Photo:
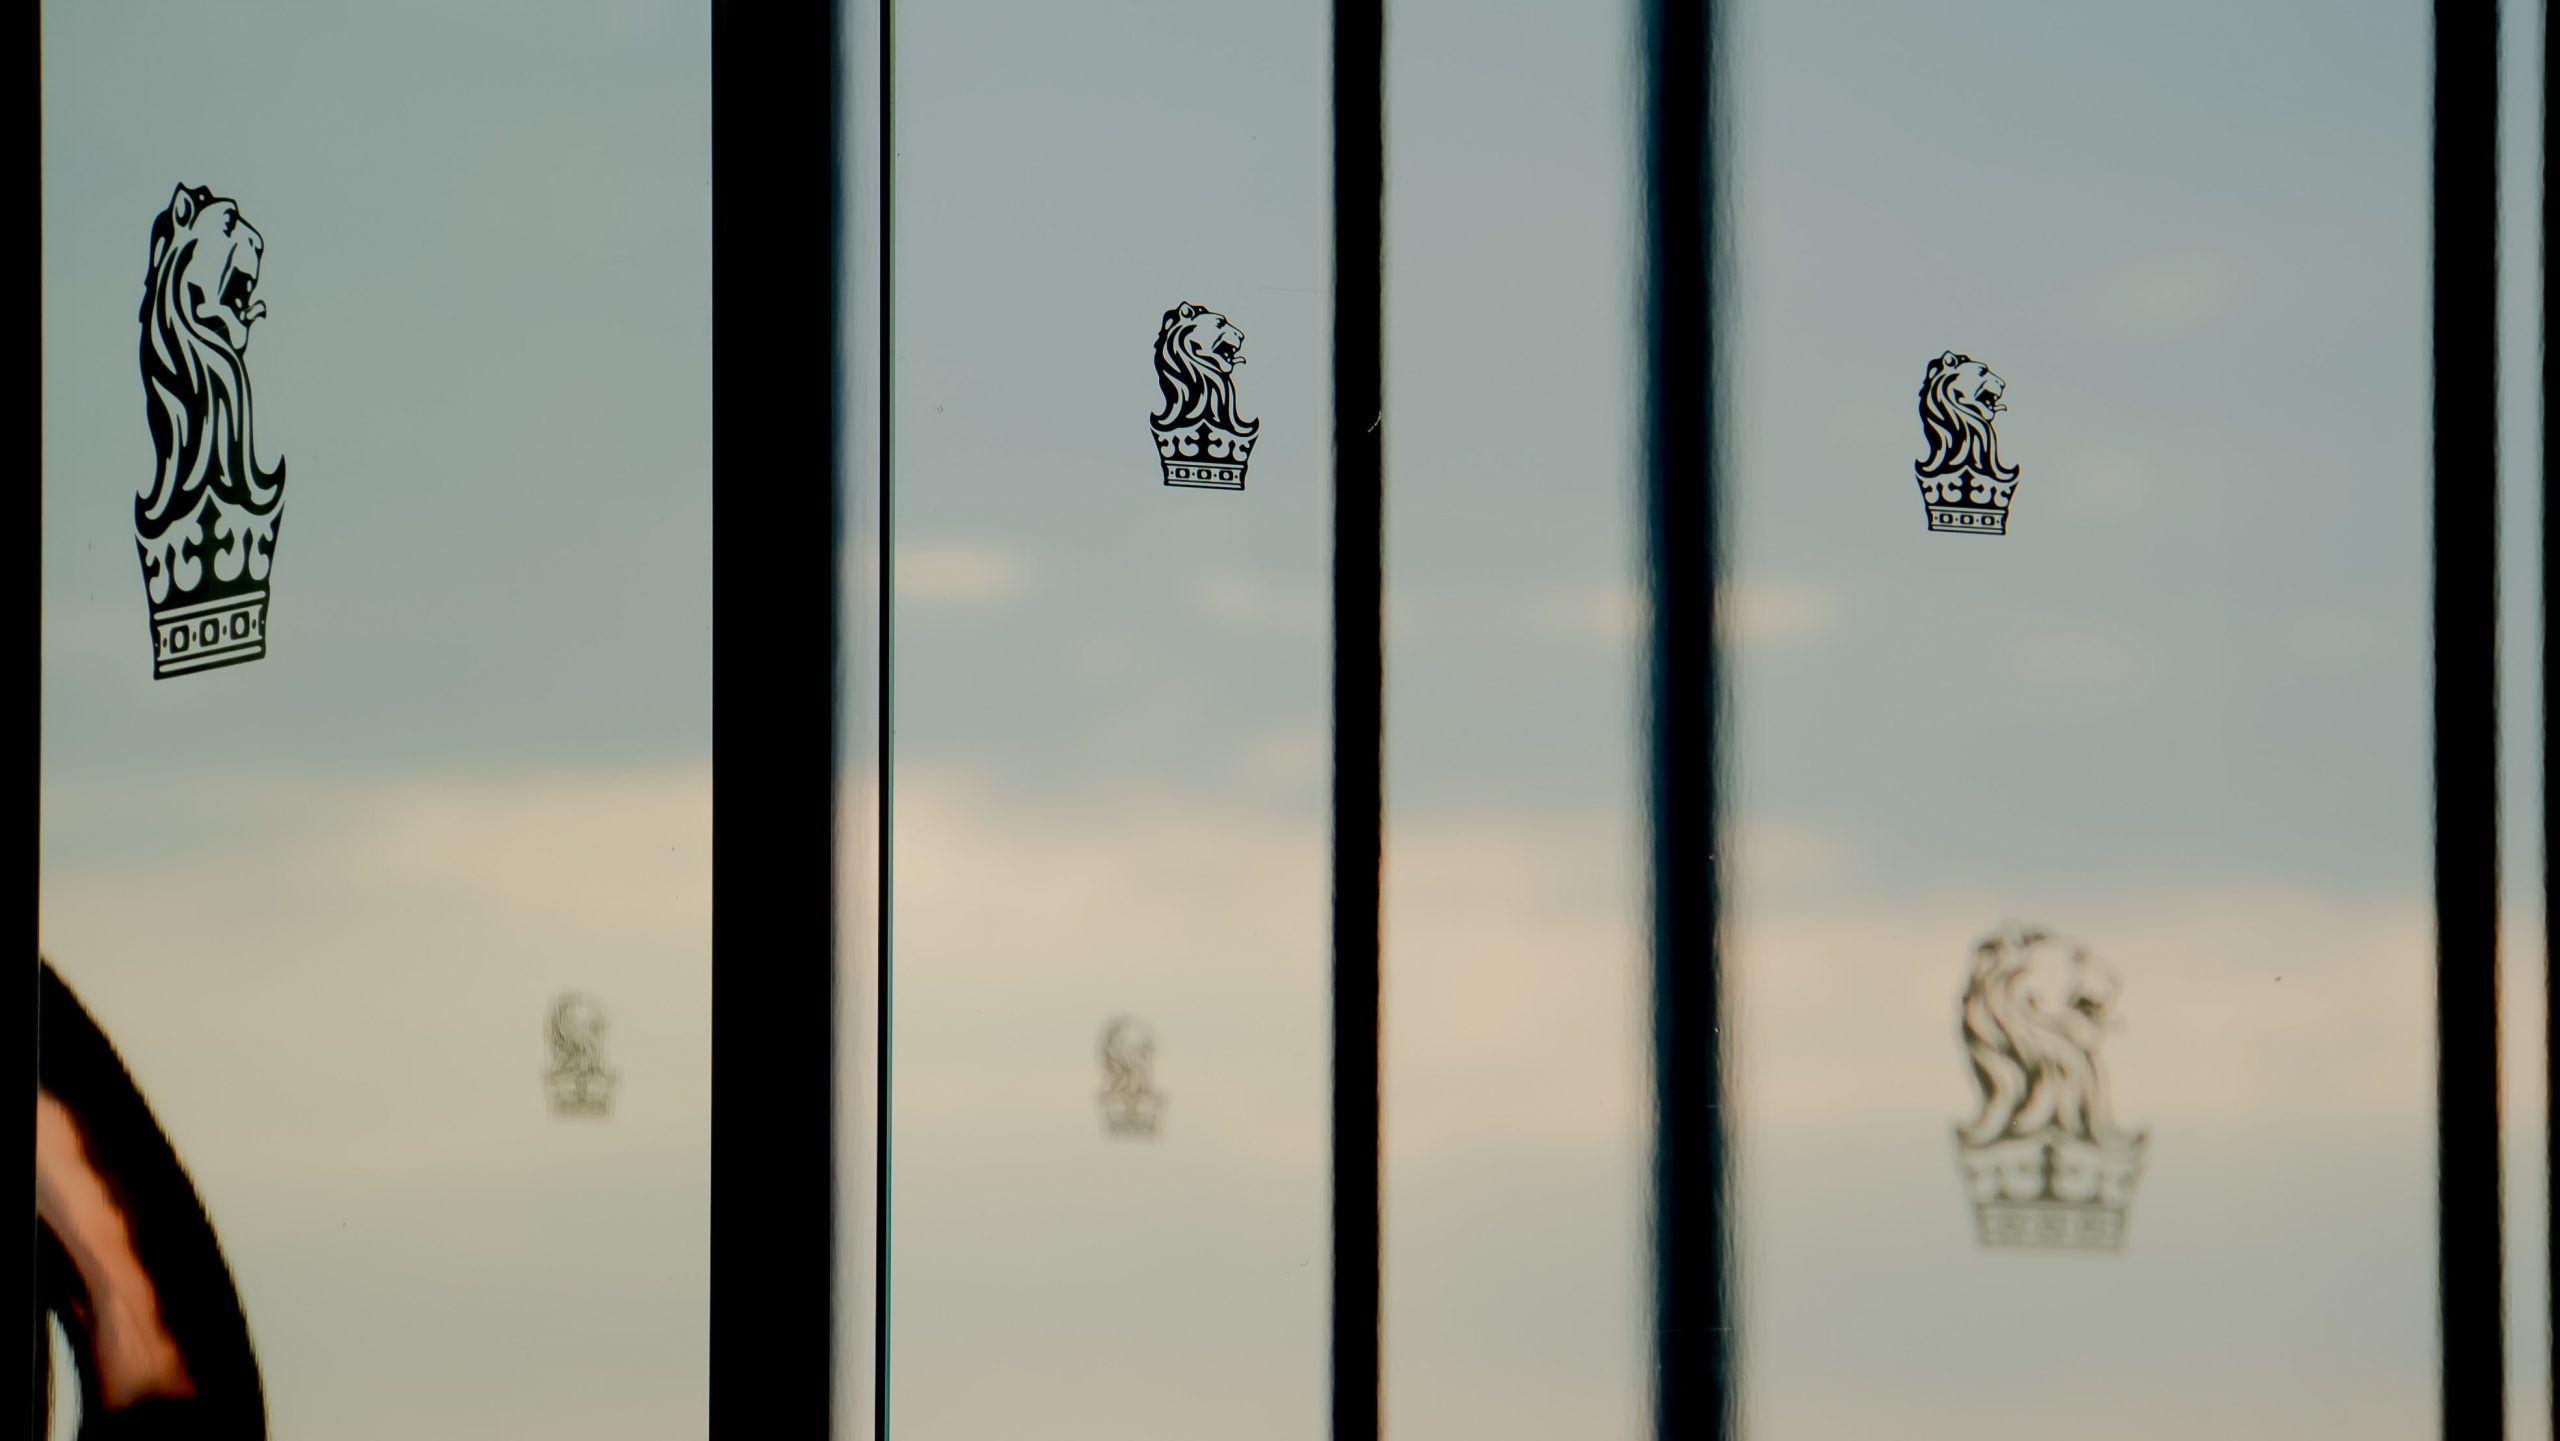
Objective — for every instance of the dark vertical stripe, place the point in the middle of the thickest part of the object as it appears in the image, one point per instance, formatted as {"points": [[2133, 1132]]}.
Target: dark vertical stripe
{"points": [[886, 598], [29, 243], [774, 344], [1359, 425], [2550, 824], [1692, 1324], [2466, 713]]}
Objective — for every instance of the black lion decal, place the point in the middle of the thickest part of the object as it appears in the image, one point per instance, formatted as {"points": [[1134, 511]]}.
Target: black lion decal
{"points": [[208, 500], [1197, 352]]}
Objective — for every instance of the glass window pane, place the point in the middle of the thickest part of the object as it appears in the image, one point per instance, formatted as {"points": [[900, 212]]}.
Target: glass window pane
{"points": [[2168, 698], [325, 899], [1516, 1123], [1109, 353]]}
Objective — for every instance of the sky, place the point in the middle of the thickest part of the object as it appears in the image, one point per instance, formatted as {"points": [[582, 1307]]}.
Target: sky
{"points": [[323, 902], [2179, 712]]}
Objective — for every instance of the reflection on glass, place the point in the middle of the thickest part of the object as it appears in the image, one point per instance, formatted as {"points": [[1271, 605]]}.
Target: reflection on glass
{"points": [[1131, 1104], [1110, 478], [325, 823], [1515, 1072], [2044, 1159], [579, 1081], [2176, 700]]}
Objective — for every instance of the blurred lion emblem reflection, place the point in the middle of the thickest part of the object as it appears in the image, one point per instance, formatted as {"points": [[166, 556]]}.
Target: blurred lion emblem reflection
{"points": [[2044, 1159], [1131, 1105], [578, 1081]]}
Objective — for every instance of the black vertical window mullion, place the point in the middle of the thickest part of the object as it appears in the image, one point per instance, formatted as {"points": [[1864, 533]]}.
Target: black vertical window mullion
{"points": [[1359, 420], [2465, 258], [775, 547], [29, 242], [885, 733], [2550, 830], [1692, 1294]]}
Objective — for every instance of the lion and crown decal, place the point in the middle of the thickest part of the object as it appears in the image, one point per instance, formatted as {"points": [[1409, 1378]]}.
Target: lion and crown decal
{"points": [[1963, 483], [206, 525], [2044, 1160], [1202, 440]]}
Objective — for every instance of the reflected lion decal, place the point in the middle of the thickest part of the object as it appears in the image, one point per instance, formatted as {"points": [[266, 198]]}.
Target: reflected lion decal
{"points": [[2045, 1161], [2035, 1013], [579, 1082], [1131, 1104]]}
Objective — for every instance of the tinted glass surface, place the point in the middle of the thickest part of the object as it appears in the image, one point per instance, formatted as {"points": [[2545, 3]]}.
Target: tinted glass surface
{"points": [[1514, 934], [2177, 713], [1109, 710], [323, 903]]}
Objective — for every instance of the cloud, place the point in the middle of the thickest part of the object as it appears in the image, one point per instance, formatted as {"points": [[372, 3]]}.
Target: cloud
{"points": [[2165, 295], [1512, 1025], [1505, 943], [332, 989], [2273, 1004], [403, 928], [1289, 757], [1608, 615], [1253, 602], [1758, 613], [962, 574], [2112, 663], [1775, 613], [1515, 970], [1775, 854], [2100, 483], [1516, 1067], [1211, 925]]}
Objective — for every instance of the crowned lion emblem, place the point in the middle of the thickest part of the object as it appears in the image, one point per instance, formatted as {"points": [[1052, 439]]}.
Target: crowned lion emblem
{"points": [[206, 524], [1201, 438], [1965, 484]]}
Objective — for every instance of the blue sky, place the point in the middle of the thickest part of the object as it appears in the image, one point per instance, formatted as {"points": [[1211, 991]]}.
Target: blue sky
{"points": [[2180, 710]]}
